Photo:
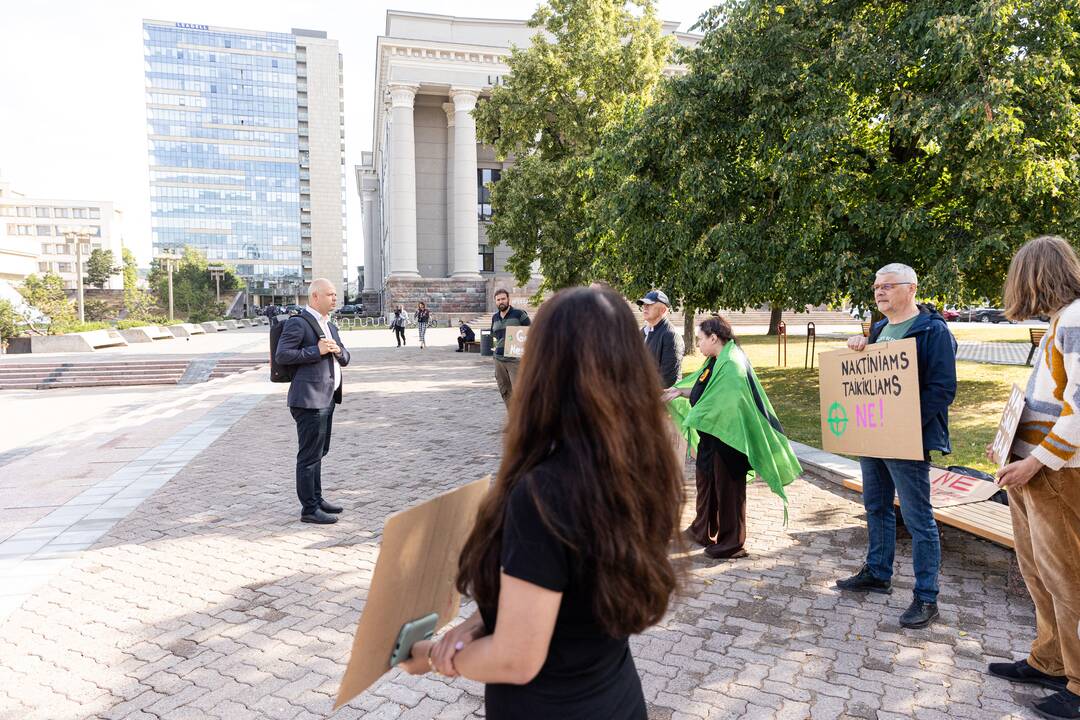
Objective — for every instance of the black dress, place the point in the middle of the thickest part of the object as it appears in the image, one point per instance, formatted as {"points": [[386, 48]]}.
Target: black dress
{"points": [[587, 674]]}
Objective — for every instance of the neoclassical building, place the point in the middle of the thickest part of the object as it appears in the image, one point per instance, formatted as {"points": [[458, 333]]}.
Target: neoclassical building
{"points": [[425, 204]]}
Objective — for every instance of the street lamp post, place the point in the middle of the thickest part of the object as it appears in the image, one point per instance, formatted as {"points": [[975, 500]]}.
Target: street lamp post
{"points": [[78, 235], [169, 257], [216, 271]]}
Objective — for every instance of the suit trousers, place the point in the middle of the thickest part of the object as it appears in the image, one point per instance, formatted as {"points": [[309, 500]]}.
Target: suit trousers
{"points": [[1046, 530], [313, 429]]}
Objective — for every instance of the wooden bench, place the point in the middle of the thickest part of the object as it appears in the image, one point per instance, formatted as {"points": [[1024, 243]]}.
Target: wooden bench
{"points": [[1036, 336], [988, 520], [472, 346], [866, 329]]}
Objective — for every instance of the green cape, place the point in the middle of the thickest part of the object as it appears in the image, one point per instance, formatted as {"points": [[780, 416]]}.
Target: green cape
{"points": [[735, 409]]}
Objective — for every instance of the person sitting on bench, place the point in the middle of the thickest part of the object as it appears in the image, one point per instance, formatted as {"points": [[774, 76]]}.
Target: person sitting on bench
{"points": [[465, 336]]}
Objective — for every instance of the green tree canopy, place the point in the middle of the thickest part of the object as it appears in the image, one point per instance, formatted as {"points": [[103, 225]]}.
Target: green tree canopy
{"points": [[46, 293], [194, 294], [575, 81], [100, 267]]}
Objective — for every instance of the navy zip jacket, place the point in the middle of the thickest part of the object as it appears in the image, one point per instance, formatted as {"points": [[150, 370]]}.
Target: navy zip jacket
{"points": [[935, 348]]}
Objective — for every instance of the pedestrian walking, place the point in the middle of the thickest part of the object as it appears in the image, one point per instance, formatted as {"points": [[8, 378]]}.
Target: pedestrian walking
{"points": [[728, 418], [423, 317], [1043, 475], [569, 553], [397, 324]]}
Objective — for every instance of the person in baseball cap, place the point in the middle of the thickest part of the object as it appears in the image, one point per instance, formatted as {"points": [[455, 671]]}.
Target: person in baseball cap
{"points": [[661, 338]]}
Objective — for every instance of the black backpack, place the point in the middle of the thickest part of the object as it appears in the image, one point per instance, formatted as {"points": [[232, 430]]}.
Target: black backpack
{"points": [[284, 373]]}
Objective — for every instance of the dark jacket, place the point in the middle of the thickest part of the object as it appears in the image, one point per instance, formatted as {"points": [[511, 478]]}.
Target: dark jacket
{"points": [[514, 318], [666, 347], [467, 333], [312, 385], [935, 348]]}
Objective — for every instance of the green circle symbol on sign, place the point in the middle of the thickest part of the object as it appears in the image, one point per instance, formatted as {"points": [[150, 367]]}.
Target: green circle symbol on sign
{"points": [[837, 419]]}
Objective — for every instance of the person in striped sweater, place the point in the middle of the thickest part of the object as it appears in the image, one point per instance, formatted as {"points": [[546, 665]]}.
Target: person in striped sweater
{"points": [[1043, 477]]}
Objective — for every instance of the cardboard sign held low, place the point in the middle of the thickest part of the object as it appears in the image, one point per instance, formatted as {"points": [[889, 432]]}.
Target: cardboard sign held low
{"points": [[1006, 432], [870, 401], [948, 488], [414, 576], [515, 341]]}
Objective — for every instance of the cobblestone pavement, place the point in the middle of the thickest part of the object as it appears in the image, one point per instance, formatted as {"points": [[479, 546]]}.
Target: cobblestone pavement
{"points": [[211, 599]]}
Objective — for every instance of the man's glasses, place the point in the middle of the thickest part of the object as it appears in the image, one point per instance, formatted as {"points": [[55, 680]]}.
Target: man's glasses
{"points": [[889, 286]]}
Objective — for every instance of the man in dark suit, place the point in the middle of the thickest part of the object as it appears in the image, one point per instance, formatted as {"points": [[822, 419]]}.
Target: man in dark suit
{"points": [[317, 359], [661, 339], [465, 335]]}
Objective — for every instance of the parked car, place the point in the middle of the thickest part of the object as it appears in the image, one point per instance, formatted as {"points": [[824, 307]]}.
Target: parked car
{"points": [[350, 310], [950, 314], [984, 315], [292, 309]]}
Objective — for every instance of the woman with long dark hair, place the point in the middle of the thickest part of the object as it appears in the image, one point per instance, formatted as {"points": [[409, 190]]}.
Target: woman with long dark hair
{"points": [[729, 420], [569, 554]]}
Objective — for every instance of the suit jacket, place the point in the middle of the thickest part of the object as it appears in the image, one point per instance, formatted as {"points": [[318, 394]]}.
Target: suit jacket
{"points": [[312, 385], [666, 347]]}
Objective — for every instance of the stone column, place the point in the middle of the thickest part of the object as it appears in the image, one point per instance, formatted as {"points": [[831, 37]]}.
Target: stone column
{"points": [[466, 225], [402, 181], [371, 243], [448, 108]]}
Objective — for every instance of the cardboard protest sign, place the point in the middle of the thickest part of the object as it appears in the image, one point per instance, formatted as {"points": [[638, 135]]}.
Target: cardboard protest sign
{"points": [[948, 488], [870, 401], [1006, 432], [515, 341], [414, 576]]}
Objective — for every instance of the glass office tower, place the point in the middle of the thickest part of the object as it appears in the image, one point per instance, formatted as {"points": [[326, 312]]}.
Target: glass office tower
{"points": [[227, 160]]}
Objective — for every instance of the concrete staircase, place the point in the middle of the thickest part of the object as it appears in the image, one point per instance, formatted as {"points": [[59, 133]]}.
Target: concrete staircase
{"points": [[48, 375]]}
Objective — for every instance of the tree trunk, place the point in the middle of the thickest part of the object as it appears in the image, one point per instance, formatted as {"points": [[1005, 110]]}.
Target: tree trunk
{"points": [[688, 329], [775, 314]]}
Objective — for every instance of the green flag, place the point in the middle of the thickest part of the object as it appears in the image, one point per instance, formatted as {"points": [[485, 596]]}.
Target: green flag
{"points": [[734, 408]]}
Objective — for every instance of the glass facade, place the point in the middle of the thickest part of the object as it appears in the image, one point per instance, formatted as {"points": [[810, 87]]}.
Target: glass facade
{"points": [[225, 161]]}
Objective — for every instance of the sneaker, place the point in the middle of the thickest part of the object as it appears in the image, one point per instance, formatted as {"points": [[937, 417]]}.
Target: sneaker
{"points": [[919, 614], [1021, 672], [1063, 705], [864, 581]]}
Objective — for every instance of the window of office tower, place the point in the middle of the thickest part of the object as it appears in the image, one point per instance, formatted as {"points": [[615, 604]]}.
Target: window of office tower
{"points": [[484, 178], [224, 149]]}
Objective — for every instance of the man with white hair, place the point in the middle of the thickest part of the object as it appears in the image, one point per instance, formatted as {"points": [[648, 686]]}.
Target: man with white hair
{"points": [[894, 294], [310, 343]]}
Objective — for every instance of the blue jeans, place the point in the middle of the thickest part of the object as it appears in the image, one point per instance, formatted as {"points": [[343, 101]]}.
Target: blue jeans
{"points": [[910, 479]]}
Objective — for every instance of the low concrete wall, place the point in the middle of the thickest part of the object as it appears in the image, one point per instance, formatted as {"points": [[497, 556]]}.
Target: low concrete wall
{"points": [[231, 325], [49, 344], [212, 327], [146, 333], [186, 330], [103, 338]]}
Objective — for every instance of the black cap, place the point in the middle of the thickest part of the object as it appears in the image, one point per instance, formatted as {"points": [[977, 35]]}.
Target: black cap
{"points": [[654, 296]]}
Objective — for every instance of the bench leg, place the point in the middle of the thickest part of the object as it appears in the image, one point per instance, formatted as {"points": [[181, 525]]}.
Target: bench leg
{"points": [[1031, 354]]}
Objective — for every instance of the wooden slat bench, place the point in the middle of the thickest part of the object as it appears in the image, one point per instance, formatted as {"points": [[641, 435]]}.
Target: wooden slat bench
{"points": [[472, 346], [988, 520], [1036, 336], [866, 329]]}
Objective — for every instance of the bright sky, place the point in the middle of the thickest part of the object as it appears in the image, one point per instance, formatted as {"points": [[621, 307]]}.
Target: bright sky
{"points": [[72, 114]]}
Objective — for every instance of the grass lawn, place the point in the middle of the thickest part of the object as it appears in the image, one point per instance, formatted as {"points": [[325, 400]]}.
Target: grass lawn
{"points": [[981, 395]]}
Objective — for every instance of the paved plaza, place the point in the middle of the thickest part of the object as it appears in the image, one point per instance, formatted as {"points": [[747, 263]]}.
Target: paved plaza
{"points": [[153, 566]]}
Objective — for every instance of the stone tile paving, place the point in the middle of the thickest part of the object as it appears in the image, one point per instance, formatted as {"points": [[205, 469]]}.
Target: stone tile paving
{"points": [[211, 599], [995, 353]]}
